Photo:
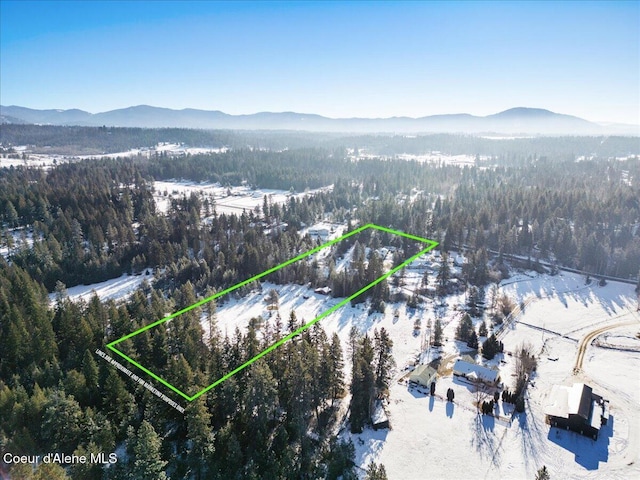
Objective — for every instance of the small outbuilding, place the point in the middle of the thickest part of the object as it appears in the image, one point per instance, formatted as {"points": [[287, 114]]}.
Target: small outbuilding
{"points": [[423, 375], [379, 419]]}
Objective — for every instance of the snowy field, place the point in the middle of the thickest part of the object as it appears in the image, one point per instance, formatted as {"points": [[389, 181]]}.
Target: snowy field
{"points": [[34, 160], [228, 200], [438, 157], [434, 157], [114, 289], [46, 160]]}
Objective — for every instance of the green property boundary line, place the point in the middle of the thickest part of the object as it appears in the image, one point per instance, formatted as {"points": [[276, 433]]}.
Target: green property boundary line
{"points": [[111, 346]]}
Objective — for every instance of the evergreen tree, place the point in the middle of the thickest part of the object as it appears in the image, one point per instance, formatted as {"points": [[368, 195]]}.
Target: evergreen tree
{"points": [[490, 347], [376, 472], [62, 422], [336, 363], [543, 474], [384, 359], [444, 272], [200, 438], [144, 446], [340, 460], [362, 385], [472, 342], [465, 328], [437, 333], [482, 331]]}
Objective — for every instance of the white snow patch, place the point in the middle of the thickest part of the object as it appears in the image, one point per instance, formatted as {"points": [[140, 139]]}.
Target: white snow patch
{"points": [[114, 289]]}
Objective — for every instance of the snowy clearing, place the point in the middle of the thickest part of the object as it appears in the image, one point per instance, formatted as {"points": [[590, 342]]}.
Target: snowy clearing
{"points": [[228, 200], [114, 289]]}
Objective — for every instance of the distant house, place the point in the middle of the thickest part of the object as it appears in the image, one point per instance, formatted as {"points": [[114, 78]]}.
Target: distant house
{"points": [[475, 372], [576, 408], [318, 232], [379, 419], [323, 290], [423, 375]]}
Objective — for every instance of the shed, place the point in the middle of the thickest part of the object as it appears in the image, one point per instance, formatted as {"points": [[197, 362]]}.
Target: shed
{"points": [[379, 419], [423, 375]]}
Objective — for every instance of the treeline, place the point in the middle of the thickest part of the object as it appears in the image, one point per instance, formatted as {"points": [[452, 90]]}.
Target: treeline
{"points": [[298, 169], [512, 149], [581, 214], [90, 221], [97, 140]]}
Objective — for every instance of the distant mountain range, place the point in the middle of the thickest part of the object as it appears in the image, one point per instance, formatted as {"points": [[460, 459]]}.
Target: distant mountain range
{"points": [[529, 121]]}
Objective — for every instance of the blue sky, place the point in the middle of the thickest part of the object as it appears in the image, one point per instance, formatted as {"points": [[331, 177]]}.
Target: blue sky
{"points": [[339, 59]]}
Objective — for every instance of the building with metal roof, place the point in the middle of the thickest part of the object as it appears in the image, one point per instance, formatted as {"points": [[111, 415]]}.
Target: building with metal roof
{"points": [[576, 408]]}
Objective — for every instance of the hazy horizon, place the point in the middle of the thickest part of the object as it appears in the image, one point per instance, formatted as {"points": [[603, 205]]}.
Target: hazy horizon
{"points": [[338, 60]]}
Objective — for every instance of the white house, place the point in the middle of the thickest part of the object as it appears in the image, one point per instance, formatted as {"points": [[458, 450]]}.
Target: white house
{"points": [[484, 374], [423, 375]]}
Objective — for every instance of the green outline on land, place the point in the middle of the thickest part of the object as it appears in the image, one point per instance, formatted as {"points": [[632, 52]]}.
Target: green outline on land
{"points": [[111, 346]]}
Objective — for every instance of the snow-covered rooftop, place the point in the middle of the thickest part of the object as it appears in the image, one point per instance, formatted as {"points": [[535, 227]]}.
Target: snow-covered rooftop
{"points": [[483, 373]]}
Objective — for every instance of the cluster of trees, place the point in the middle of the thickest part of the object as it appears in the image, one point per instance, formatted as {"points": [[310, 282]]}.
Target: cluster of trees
{"points": [[91, 220], [360, 272], [491, 346], [371, 363], [80, 219], [107, 139], [465, 331], [583, 214], [487, 407], [100, 140]]}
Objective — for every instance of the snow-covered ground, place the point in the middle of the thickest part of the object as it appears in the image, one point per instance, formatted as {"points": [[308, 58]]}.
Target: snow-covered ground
{"points": [[431, 438], [432, 157], [46, 160], [114, 289], [438, 157], [21, 236], [40, 161], [228, 200]]}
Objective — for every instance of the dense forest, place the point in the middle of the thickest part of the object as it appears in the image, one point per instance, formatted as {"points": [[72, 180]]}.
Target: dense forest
{"points": [[87, 221]]}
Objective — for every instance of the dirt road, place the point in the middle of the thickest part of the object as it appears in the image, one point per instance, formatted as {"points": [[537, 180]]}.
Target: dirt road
{"points": [[589, 337]]}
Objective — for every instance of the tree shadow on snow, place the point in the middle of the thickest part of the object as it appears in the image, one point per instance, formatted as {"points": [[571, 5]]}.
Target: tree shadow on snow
{"points": [[531, 436], [483, 438], [449, 409], [431, 402], [588, 452], [417, 392]]}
